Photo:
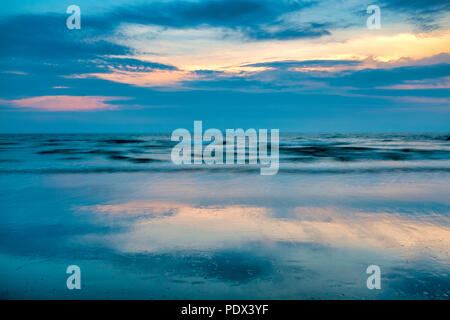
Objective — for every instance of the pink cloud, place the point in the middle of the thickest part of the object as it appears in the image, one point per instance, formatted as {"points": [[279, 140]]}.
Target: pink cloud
{"points": [[65, 103], [156, 78]]}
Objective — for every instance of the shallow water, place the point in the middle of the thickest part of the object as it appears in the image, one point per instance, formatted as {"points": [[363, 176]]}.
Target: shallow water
{"points": [[140, 227]]}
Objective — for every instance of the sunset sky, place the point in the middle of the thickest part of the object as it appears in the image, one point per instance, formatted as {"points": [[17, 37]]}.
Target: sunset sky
{"points": [[154, 66]]}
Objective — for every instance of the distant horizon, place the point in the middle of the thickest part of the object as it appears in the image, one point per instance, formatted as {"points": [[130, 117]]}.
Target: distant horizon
{"points": [[281, 132]]}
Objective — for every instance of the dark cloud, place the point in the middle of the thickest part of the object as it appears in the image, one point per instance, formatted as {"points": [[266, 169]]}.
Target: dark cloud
{"points": [[256, 19], [418, 6], [422, 13], [136, 65], [312, 30], [306, 63], [219, 13], [46, 37], [33, 43], [381, 77], [42, 45]]}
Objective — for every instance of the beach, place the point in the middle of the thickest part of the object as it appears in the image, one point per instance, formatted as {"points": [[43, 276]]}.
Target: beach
{"points": [[140, 227]]}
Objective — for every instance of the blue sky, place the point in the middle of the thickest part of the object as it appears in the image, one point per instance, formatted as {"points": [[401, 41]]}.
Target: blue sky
{"points": [[154, 66]]}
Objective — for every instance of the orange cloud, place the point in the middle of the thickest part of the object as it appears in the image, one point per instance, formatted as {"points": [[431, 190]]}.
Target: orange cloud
{"points": [[229, 56], [232, 58], [154, 78]]}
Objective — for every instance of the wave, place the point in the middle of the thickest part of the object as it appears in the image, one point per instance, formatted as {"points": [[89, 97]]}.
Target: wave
{"points": [[81, 170], [80, 153], [352, 153]]}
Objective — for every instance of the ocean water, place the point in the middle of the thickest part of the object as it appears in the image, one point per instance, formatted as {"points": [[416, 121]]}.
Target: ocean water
{"points": [[140, 227]]}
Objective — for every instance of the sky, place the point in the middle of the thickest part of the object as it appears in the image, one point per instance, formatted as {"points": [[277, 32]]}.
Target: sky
{"points": [[154, 66]]}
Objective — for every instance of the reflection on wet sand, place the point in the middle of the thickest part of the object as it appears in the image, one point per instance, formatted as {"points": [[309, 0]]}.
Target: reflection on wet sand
{"points": [[163, 226]]}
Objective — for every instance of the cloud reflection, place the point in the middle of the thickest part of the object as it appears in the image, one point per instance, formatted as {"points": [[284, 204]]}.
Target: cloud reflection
{"points": [[164, 226]]}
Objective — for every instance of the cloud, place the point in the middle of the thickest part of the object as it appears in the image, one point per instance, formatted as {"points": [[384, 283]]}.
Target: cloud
{"points": [[311, 30], [46, 37], [254, 19], [424, 14], [41, 44], [338, 74], [159, 78], [64, 103], [230, 13], [383, 77], [419, 6], [210, 56], [305, 63], [130, 64], [246, 15]]}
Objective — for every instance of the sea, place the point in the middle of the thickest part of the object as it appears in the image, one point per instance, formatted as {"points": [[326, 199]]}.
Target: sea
{"points": [[140, 227]]}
